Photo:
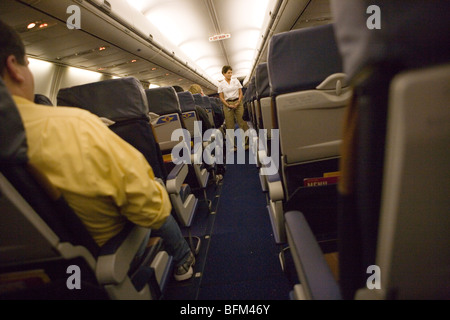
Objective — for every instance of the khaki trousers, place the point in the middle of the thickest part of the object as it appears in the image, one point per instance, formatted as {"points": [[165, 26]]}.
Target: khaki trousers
{"points": [[234, 115]]}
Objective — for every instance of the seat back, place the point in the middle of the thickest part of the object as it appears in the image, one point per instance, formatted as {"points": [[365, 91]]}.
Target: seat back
{"points": [[163, 101], [198, 100], [413, 237], [187, 106], [124, 102], [208, 107], [310, 94], [219, 117], [246, 102]]}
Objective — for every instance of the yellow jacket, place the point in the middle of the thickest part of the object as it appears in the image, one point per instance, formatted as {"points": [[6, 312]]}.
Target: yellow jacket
{"points": [[103, 178]]}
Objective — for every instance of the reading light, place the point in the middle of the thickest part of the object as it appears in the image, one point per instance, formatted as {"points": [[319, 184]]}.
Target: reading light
{"points": [[31, 25]]}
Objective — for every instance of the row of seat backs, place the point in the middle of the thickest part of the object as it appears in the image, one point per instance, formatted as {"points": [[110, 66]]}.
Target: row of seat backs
{"points": [[122, 101], [307, 103], [192, 113], [125, 102], [205, 103], [393, 212], [407, 42]]}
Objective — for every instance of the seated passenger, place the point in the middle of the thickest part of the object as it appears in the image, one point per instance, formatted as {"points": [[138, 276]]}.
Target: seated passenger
{"points": [[104, 179]]}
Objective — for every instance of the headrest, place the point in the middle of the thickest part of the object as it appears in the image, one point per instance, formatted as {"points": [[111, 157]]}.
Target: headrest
{"points": [[412, 33], [13, 142], [186, 101], [207, 102], [262, 81], [198, 99], [163, 100], [116, 99], [301, 59]]}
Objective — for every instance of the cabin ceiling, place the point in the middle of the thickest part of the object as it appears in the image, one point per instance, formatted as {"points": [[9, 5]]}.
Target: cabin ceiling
{"points": [[182, 27]]}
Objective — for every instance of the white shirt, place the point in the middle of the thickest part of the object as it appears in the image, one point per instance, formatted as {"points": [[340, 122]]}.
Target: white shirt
{"points": [[230, 91]]}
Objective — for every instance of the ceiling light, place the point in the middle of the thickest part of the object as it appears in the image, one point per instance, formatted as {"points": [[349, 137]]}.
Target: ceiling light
{"points": [[31, 25]]}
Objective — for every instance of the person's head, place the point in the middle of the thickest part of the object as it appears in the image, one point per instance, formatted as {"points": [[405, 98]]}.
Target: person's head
{"points": [[195, 88], [227, 72], [14, 63]]}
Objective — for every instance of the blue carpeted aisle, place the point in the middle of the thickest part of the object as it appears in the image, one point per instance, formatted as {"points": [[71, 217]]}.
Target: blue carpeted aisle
{"points": [[242, 261], [238, 259]]}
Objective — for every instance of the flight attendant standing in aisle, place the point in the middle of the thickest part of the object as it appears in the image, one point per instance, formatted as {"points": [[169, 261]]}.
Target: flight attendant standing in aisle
{"points": [[230, 93]]}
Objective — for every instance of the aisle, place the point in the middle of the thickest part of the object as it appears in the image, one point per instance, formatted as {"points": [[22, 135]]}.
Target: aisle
{"points": [[238, 259], [242, 261]]}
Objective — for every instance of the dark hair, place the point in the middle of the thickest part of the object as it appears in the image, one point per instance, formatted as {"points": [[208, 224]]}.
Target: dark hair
{"points": [[178, 88], [226, 68], [41, 99], [10, 44]]}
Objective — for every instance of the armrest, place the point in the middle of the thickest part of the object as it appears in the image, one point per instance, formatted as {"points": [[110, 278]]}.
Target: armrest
{"points": [[275, 185], [313, 271], [176, 178], [117, 254]]}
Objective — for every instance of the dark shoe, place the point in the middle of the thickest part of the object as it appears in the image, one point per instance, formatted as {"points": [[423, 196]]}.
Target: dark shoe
{"points": [[185, 270]]}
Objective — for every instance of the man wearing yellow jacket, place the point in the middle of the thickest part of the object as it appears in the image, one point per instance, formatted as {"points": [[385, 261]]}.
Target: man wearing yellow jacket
{"points": [[103, 178]]}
